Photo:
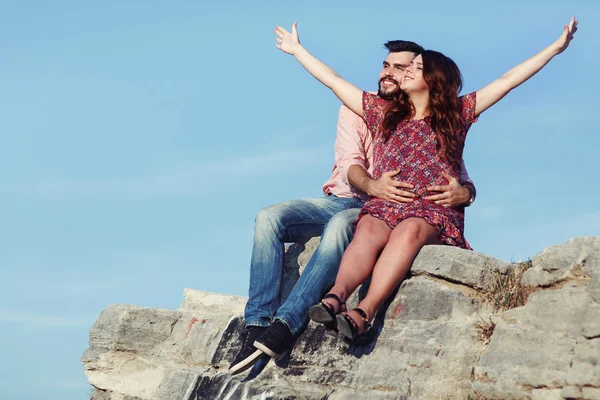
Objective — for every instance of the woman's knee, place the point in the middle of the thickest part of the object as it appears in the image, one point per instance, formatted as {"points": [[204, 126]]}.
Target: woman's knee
{"points": [[413, 231], [372, 230]]}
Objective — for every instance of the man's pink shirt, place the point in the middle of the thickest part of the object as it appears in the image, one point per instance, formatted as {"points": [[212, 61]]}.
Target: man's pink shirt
{"points": [[354, 146]]}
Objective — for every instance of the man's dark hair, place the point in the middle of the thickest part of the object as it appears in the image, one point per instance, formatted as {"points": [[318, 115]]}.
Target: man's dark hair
{"points": [[397, 46]]}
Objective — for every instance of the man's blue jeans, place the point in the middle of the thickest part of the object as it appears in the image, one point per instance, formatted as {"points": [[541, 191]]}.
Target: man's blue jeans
{"points": [[291, 221]]}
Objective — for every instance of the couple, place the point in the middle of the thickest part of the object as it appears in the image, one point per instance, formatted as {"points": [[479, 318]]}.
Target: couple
{"points": [[418, 125]]}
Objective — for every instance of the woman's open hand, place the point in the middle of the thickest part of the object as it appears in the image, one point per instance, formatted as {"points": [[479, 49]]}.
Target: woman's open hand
{"points": [[286, 41], [569, 31]]}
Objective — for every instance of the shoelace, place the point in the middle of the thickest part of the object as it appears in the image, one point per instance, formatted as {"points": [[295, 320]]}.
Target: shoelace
{"points": [[250, 336]]}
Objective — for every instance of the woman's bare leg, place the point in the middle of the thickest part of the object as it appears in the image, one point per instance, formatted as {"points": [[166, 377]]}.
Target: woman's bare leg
{"points": [[359, 258], [404, 243]]}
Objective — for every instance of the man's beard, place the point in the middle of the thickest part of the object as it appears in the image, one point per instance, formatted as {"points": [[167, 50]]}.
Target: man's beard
{"points": [[388, 95]]}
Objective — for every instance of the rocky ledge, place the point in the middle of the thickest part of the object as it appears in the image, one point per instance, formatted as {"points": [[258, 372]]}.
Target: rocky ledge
{"points": [[463, 326]]}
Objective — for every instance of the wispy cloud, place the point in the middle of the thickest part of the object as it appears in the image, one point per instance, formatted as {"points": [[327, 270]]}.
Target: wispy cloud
{"points": [[57, 321], [190, 178], [277, 162]]}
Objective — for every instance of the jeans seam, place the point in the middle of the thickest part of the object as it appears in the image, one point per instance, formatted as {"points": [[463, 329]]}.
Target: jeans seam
{"points": [[256, 323], [330, 207], [272, 312]]}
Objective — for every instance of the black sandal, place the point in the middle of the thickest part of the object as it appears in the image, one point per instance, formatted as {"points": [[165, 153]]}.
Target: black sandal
{"points": [[324, 313], [348, 326]]}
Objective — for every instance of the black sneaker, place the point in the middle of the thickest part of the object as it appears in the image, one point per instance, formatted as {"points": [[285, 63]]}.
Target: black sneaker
{"points": [[276, 340], [248, 355]]}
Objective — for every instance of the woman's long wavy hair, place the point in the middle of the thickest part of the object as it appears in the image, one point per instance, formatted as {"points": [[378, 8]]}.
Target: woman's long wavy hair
{"points": [[444, 81]]}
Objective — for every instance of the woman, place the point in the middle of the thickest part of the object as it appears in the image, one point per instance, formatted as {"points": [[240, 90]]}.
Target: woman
{"points": [[421, 133]]}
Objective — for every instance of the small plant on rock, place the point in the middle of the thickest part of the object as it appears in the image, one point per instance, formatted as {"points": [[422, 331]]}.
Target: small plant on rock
{"points": [[505, 291]]}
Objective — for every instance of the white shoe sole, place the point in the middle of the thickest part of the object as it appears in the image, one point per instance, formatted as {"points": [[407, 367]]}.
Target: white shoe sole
{"points": [[265, 349], [246, 363]]}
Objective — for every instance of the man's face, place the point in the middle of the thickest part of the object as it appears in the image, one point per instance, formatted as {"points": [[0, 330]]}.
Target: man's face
{"points": [[392, 73]]}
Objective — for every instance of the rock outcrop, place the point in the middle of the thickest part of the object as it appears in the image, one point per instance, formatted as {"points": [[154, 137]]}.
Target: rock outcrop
{"points": [[463, 326]]}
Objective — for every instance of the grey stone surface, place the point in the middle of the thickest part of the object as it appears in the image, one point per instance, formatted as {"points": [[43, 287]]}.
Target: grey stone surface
{"points": [[212, 303], [549, 348], [594, 287], [590, 393], [457, 265], [421, 298], [426, 342], [296, 257], [576, 258], [99, 394]]}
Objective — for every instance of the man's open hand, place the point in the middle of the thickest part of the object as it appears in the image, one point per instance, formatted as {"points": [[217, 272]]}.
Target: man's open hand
{"points": [[386, 188], [451, 195]]}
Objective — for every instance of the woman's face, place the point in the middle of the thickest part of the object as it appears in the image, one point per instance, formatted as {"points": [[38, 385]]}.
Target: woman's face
{"points": [[413, 79]]}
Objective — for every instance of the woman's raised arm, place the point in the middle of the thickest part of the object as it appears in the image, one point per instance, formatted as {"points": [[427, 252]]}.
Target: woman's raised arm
{"points": [[349, 94], [492, 93]]}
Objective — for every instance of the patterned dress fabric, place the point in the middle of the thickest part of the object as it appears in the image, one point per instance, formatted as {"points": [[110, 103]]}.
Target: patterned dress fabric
{"points": [[412, 149]]}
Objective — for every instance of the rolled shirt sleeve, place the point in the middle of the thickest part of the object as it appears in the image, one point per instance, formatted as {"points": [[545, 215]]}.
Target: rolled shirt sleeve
{"points": [[350, 143]]}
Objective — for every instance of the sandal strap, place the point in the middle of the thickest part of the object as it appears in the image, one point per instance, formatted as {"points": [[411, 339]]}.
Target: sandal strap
{"points": [[363, 315], [341, 305], [330, 308], [333, 296]]}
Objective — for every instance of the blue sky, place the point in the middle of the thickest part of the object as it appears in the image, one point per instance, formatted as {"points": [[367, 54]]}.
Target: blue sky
{"points": [[139, 139]]}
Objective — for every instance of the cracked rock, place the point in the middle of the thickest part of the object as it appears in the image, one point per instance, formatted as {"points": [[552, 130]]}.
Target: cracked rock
{"points": [[426, 343]]}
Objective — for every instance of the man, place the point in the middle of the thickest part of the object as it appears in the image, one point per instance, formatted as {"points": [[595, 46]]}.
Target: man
{"points": [[271, 326]]}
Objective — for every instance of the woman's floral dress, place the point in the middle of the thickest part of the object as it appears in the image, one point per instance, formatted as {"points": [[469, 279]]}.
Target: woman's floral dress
{"points": [[412, 149]]}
